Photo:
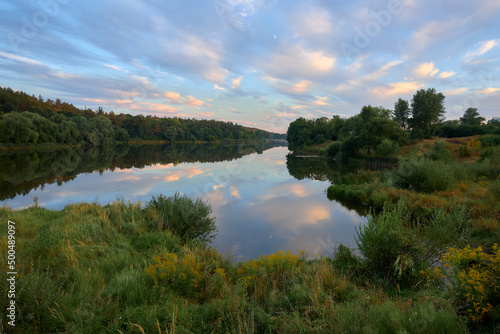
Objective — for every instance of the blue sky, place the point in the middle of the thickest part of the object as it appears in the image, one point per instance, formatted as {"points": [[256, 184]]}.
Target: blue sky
{"points": [[255, 62]]}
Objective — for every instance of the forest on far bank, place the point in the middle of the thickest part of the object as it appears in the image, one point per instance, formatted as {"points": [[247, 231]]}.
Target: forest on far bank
{"points": [[28, 120]]}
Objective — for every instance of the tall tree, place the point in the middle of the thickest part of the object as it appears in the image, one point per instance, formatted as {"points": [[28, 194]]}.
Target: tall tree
{"points": [[472, 117], [402, 113], [427, 111]]}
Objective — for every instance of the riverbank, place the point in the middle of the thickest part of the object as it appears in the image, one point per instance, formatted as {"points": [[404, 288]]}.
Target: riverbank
{"points": [[118, 268]]}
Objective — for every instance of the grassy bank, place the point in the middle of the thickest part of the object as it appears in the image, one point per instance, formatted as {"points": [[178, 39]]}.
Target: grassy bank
{"points": [[439, 210], [132, 268]]}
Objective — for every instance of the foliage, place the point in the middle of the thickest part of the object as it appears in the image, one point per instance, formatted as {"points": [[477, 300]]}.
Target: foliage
{"points": [[95, 274], [427, 111], [489, 140], [334, 149], [471, 274], [346, 260], [197, 274], [358, 134], [494, 188], [277, 268], [185, 217], [25, 119], [387, 148], [385, 244], [424, 175], [438, 152], [402, 113], [471, 117]]}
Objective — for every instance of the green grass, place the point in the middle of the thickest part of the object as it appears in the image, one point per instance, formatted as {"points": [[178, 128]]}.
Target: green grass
{"points": [[108, 269]]}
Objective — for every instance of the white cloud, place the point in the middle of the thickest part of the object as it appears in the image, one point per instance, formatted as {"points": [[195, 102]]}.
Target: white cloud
{"points": [[298, 61], [321, 101], [431, 33], [397, 88], [20, 59], [481, 49], [176, 98], [296, 88], [204, 57], [312, 22], [425, 70], [114, 68], [445, 75], [236, 83], [455, 91], [489, 90], [382, 71]]}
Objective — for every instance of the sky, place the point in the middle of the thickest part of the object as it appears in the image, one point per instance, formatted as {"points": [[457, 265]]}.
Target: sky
{"points": [[258, 63]]}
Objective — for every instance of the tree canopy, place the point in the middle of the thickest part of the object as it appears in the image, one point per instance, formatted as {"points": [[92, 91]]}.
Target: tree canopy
{"points": [[26, 119], [427, 111], [472, 117], [380, 130]]}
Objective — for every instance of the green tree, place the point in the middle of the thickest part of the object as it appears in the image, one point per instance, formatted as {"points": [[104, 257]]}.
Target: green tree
{"points": [[427, 111], [170, 134], [472, 117], [334, 126], [299, 132], [402, 113], [16, 128]]}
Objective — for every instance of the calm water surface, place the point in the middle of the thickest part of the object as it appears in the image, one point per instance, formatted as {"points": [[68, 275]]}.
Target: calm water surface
{"points": [[262, 201]]}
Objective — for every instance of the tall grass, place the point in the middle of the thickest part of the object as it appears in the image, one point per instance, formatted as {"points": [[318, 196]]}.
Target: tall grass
{"points": [[108, 269]]}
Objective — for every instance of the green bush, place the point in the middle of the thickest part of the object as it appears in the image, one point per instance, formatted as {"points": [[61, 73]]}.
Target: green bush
{"points": [[378, 198], [494, 188], [385, 243], [439, 152], [463, 151], [424, 175], [490, 140], [183, 216], [491, 154], [334, 149], [345, 260], [387, 148]]}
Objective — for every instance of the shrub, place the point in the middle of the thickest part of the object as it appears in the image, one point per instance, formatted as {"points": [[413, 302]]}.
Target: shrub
{"points": [[334, 149], [490, 140], [200, 274], [491, 154], [463, 151], [424, 175], [494, 188], [378, 198], [385, 243], [472, 275], [185, 217], [439, 152], [274, 267], [344, 259], [387, 148]]}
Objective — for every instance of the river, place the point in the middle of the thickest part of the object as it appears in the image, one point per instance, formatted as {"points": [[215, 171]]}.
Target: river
{"points": [[263, 200]]}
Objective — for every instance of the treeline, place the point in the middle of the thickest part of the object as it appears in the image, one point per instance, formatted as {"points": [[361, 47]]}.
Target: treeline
{"points": [[381, 131], [26, 119]]}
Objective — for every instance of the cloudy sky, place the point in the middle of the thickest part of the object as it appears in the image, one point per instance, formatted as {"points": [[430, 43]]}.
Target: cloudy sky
{"points": [[260, 63]]}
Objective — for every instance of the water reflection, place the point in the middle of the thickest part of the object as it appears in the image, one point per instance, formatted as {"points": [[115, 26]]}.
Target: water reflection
{"points": [[263, 202]]}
